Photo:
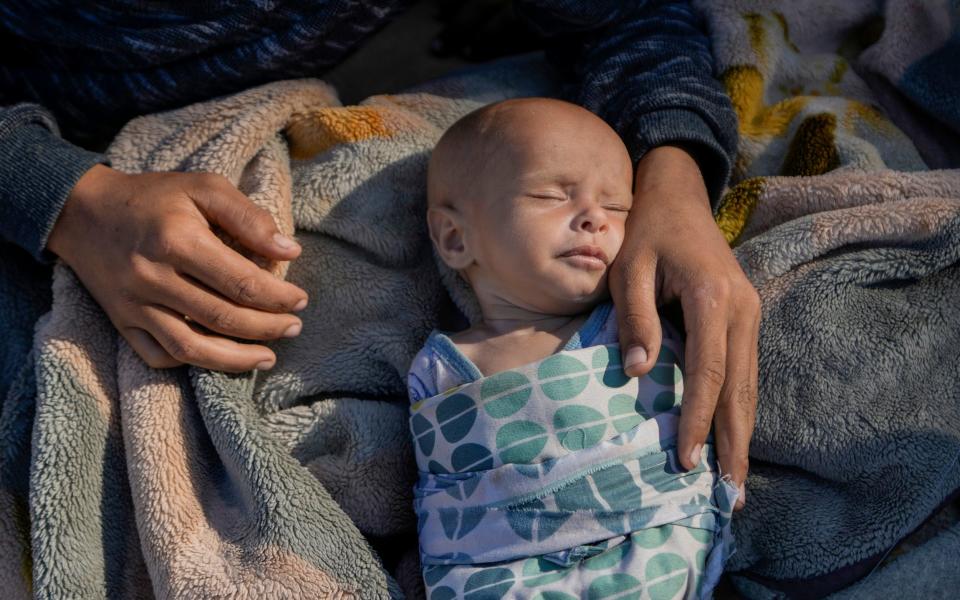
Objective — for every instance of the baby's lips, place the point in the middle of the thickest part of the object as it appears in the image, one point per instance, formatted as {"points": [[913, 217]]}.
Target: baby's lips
{"points": [[588, 250]]}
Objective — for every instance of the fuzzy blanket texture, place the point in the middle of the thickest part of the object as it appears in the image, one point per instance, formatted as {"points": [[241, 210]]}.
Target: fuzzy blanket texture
{"points": [[121, 481]]}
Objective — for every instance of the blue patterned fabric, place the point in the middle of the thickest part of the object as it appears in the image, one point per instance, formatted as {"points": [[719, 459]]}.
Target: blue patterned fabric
{"points": [[560, 479]]}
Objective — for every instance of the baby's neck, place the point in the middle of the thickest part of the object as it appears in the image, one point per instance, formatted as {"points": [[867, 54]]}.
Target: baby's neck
{"points": [[508, 339]]}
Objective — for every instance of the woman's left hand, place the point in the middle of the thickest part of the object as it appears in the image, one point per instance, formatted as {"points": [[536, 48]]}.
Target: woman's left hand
{"points": [[674, 251]]}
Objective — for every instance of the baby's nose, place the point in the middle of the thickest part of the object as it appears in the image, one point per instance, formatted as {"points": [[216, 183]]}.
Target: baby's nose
{"points": [[593, 220]]}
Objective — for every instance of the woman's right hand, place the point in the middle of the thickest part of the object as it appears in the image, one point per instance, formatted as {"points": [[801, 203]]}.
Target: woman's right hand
{"points": [[143, 247]]}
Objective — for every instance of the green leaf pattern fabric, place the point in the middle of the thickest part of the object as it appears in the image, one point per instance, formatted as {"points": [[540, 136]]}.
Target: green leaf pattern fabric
{"points": [[560, 479]]}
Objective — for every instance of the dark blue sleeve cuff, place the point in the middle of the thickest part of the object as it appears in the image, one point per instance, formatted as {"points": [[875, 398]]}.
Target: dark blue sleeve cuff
{"points": [[38, 169], [686, 129], [647, 69]]}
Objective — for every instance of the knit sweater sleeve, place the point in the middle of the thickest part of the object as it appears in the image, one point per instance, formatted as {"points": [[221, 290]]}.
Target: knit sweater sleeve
{"points": [[37, 171], [644, 66]]}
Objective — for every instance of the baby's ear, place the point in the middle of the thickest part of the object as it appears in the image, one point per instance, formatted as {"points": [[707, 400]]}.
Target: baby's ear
{"points": [[446, 231]]}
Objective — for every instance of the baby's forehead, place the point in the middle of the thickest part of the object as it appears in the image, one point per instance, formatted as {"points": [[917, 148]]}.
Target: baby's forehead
{"points": [[528, 139], [561, 148]]}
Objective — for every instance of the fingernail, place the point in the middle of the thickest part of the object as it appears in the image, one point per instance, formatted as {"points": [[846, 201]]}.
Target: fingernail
{"points": [[293, 330], [302, 304], [695, 455], [636, 356], [263, 365], [283, 241]]}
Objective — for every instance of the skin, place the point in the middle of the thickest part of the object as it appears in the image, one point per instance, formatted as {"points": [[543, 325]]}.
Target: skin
{"points": [[153, 227], [673, 250], [721, 308], [555, 179], [156, 259]]}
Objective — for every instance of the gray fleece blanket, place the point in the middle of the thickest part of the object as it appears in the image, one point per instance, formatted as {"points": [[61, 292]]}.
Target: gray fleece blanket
{"points": [[858, 427], [120, 481]]}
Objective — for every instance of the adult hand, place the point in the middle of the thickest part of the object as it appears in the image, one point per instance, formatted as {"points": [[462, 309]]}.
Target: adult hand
{"points": [[143, 247], [674, 250]]}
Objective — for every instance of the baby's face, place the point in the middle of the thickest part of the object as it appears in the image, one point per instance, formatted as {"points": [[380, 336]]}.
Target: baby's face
{"points": [[554, 199]]}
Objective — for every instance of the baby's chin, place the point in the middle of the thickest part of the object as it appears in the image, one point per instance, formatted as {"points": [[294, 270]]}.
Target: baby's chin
{"points": [[574, 302]]}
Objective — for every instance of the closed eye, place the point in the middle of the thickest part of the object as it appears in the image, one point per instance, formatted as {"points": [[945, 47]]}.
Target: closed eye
{"points": [[618, 208], [547, 196]]}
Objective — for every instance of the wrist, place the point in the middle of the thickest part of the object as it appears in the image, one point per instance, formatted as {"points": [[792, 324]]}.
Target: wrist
{"points": [[669, 171], [89, 190]]}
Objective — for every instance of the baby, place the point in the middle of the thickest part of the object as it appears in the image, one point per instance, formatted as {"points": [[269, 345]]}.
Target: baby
{"points": [[545, 472]]}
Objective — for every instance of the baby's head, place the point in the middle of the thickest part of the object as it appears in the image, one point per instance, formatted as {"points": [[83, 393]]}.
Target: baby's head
{"points": [[527, 199]]}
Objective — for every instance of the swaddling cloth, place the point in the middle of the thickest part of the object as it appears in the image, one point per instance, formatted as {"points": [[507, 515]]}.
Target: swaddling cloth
{"points": [[559, 480]]}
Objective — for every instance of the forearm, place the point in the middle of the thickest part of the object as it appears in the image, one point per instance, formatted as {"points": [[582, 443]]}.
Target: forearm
{"points": [[37, 171], [646, 68]]}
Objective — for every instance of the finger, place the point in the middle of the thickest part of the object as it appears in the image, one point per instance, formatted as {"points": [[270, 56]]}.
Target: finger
{"points": [[235, 213], [185, 296], [755, 372], [736, 410], [755, 377], [233, 276], [209, 351], [634, 296], [705, 319], [148, 349]]}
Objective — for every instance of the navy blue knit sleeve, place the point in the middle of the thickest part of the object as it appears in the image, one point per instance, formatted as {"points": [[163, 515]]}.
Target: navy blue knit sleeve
{"points": [[37, 171], [645, 67]]}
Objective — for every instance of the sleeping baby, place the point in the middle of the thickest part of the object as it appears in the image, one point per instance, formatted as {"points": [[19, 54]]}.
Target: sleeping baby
{"points": [[544, 471]]}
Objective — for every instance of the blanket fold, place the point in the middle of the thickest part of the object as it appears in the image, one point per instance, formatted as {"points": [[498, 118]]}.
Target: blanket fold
{"points": [[121, 481]]}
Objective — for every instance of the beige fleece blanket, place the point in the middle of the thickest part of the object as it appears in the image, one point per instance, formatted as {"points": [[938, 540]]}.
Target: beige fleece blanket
{"points": [[296, 482]]}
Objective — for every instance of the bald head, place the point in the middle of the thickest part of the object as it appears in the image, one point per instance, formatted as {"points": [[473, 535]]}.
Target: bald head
{"points": [[516, 186], [474, 148]]}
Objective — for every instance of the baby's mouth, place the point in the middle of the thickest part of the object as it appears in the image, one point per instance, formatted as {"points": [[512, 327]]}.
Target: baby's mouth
{"points": [[589, 257]]}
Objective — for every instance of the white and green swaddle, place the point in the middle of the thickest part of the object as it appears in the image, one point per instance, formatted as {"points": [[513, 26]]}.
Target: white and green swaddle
{"points": [[559, 480]]}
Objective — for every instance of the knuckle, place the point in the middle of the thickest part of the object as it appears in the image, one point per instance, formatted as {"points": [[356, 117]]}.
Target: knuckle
{"points": [[741, 464], [256, 219], [222, 320], [168, 242], [637, 321], [140, 269], [712, 290], [736, 465], [721, 290], [703, 296], [747, 391], [750, 300], [743, 392], [744, 398], [246, 289], [181, 349], [702, 420], [712, 373], [127, 297], [733, 459], [143, 275]]}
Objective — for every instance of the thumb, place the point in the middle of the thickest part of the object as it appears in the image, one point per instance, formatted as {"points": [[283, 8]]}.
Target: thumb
{"points": [[639, 324], [243, 220]]}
